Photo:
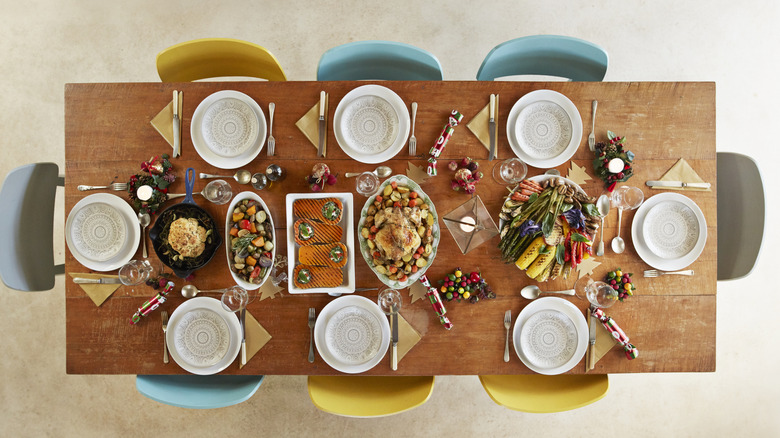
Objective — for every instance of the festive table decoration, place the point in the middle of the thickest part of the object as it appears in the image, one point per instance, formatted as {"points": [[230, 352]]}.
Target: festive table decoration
{"points": [[438, 305], [586, 267], [460, 286], [149, 189], [453, 121], [617, 333], [578, 174], [417, 291], [147, 307], [467, 175], [320, 175], [417, 173], [621, 282], [613, 164]]}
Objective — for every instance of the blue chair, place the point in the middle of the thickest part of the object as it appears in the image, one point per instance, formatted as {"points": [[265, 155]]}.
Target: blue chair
{"points": [[548, 55], [741, 215], [198, 392], [27, 224], [383, 60]]}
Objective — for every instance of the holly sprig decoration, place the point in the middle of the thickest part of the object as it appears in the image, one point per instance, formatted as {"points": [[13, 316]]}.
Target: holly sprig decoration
{"points": [[156, 173], [613, 163]]}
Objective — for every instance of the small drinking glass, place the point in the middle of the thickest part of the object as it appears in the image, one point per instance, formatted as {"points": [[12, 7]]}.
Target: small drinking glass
{"points": [[389, 301], [218, 192], [236, 298], [135, 272], [598, 293], [510, 171], [367, 183]]}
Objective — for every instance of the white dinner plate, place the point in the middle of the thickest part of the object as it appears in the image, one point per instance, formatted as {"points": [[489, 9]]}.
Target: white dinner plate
{"points": [[669, 231], [544, 128], [233, 151], [102, 232], [550, 335], [203, 337], [371, 123], [352, 334]]}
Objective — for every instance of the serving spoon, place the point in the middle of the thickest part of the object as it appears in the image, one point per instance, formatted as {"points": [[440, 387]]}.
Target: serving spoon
{"points": [[242, 176], [144, 219], [381, 171], [190, 291], [532, 292]]}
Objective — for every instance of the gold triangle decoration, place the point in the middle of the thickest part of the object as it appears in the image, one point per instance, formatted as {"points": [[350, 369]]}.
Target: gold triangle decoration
{"points": [[417, 291], [418, 174], [578, 174]]}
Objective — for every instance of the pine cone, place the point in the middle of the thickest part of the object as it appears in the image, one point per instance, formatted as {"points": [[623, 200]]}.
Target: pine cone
{"points": [[611, 148]]}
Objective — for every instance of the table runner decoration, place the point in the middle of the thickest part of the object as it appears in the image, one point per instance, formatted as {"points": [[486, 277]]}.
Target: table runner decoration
{"points": [[256, 337], [479, 126], [163, 121], [682, 171], [309, 125], [98, 293]]}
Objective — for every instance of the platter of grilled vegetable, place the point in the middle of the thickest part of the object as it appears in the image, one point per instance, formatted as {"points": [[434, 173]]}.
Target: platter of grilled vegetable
{"points": [[547, 227]]}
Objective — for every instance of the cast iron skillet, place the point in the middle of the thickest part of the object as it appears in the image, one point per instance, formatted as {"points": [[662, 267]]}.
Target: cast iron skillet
{"points": [[187, 209]]}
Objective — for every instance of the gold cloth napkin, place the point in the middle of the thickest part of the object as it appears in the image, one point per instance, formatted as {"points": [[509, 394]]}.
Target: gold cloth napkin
{"points": [[604, 342], [97, 292], [163, 121], [479, 126], [309, 124], [682, 171], [256, 337], [408, 337]]}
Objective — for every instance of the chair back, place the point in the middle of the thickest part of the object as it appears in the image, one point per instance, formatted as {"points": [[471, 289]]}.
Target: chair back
{"points": [[27, 224], [198, 392], [548, 55], [741, 215], [382, 60], [217, 57], [537, 393], [369, 396]]}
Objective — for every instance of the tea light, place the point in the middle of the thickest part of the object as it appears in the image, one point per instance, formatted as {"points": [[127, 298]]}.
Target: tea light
{"points": [[615, 165], [465, 221], [144, 193]]}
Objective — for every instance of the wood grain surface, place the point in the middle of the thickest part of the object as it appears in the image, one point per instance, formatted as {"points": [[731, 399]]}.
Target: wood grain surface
{"points": [[671, 320]]}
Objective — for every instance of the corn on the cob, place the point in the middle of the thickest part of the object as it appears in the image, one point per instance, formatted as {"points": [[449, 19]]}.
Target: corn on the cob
{"points": [[541, 263], [545, 275], [530, 253]]}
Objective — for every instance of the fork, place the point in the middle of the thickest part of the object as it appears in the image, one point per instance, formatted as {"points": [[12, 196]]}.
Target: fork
{"points": [[507, 324], [112, 186], [312, 319], [271, 140], [592, 136], [652, 273], [165, 341], [413, 139]]}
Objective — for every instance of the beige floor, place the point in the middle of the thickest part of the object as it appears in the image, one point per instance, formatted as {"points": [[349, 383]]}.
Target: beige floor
{"points": [[47, 43]]}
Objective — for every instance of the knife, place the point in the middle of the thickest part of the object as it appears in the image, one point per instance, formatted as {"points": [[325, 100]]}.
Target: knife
{"points": [[592, 341], [104, 280], [176, 125], [394, 356], [243, 337], [492, 127], [321, 149], [677, 184]]}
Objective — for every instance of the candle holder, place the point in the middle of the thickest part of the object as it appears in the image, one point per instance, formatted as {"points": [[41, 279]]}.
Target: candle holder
{"points": [[470, 224]]}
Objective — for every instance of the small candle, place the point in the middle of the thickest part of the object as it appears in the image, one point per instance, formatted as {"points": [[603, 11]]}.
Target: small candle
{"points": [[144, 193], [615, 165], [469, 220]]}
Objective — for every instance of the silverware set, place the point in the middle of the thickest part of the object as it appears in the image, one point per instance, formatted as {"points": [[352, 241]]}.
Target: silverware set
{"points": [[271, 140], [312, 320], [112, 186], [413, 139], [652, 273], [507, 325], [164, 314]]}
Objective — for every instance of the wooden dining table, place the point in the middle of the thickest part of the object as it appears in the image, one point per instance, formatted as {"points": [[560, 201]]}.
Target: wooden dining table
{"points": [[670, 319]]}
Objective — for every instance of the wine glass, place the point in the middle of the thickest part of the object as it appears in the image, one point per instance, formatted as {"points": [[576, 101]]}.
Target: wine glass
{"points": [[624, 197], [235, 298], [598, 293], [389, 301], [510, 171], [367, 183], [135, 272], [218, 192]]}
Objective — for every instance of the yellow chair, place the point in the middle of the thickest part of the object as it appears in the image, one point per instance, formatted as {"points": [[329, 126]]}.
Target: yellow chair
{"points": [[369, 396], [217, 57], [538, 393]]}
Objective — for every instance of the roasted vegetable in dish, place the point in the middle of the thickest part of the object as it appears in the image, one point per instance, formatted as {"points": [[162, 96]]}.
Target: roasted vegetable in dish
{"points": [[251, 241]]}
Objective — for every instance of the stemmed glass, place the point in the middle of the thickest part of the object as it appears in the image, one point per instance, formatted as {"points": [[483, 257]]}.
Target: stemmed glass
{"points": [[624, 198], [218, 192], [510, 171], [598, 293], [235, 298], [389, 301], [135, 272]]}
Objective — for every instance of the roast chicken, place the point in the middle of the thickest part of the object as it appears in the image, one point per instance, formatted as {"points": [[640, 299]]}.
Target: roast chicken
{"points": [[397, 232]]}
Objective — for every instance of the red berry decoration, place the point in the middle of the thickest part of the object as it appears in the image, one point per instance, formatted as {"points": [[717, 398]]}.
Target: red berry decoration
{"points": [[621, 282], [613, 163], [461, 286], [320, 176], [467, 175]]}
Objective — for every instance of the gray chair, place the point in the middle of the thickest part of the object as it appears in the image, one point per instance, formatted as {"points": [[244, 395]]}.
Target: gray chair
{"points": [[27, 227], [741, 215]]}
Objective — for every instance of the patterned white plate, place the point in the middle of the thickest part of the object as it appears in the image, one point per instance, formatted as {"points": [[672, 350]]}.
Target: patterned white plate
{"points": [[230, 127], [102, 232], [371, 123], [203, 338], [352, 334], [543, 337], [669, 231], [544, 128]]}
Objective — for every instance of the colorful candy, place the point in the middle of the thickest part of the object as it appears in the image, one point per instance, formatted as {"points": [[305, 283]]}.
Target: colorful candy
{"points": [[617, 333]]}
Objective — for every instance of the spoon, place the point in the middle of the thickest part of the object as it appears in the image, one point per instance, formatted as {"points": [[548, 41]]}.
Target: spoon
{"points": [[144, 220], [532, 292], [618, 244], [602, 205], [189, 291], [381, 171], [242, 176]]}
